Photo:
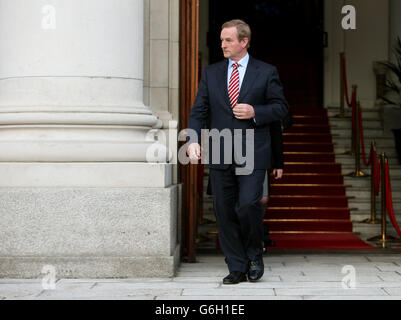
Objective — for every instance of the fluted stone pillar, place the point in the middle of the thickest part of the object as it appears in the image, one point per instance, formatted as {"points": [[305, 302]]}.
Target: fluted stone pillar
{"points": [[72, 80], [76, 187]]}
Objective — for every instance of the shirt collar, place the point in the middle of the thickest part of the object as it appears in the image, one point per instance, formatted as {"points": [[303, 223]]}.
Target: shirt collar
{"points": [[242, 63]]}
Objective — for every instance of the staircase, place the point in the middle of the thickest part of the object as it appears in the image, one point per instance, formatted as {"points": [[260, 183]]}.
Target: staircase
{"points": [[308, 207], [358, 189], [311, 195], [314, 206]]}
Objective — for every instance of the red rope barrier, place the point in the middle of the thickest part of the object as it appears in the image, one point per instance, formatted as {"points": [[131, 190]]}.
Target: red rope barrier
{"points": [[372, 156], [351, 104], [345, 83], [365, 161], [389, 200]]}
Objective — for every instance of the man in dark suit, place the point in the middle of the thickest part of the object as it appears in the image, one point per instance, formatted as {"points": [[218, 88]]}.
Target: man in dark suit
{"points": [[277, 154], [240, 95]]}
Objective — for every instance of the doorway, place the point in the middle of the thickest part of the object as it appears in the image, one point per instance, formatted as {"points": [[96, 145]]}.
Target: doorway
{"points": [[285, 33]]}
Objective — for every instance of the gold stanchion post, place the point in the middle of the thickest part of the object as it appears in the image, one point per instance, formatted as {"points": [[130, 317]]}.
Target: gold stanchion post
{"points": [[358, 172], [354, 133], [342, 111], [352, 151], [372, 219], [383, 238]]}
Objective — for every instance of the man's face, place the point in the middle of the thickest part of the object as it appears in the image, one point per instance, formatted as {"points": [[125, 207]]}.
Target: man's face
{"points": [[232, 47]]}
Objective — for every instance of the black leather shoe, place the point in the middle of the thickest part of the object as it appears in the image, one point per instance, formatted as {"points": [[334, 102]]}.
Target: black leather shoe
{"points": [[234, 277], [256, 269]]}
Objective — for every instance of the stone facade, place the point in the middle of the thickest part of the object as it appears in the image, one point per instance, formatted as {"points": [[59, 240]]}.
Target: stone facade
{"points": [[84, 91]]}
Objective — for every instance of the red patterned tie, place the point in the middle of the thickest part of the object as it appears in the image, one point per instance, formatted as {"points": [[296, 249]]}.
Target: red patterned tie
{"points": [[233, 86]]}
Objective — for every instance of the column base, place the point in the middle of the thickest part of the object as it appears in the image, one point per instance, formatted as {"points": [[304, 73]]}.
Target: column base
{"points": [[90, 267], [102, 231]]}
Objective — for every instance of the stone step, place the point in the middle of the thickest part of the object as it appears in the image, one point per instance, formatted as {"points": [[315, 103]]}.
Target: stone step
{"points": [[381, 142], [394, 163], [336, 108], [364, 205], [394, 172], [360, 213], [347, 160], [346, 123], [367, 137], [368, 133], [308, 147], [363, 193], [307, 110], [365, 182], [371, 115], [360, 206], [312, 128], [350, 181], [307, 189], [341, 149], [309, 225], [307, 137], [357, 223], [390, 153]]}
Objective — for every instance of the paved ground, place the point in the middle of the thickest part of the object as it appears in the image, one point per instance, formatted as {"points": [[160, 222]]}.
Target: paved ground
{"points": [[287, 276]]}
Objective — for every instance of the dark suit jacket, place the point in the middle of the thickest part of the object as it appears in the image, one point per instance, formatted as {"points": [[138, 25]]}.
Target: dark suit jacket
{"points": [[277, 150], [261, 88]]}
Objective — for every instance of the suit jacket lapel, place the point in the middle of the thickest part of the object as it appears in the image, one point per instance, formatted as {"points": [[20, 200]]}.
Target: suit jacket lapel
{"points": [[250, 76]]}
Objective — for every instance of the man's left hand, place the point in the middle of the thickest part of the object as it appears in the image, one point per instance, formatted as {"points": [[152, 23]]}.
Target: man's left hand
{"points": [[278, 173], [244, 111]]}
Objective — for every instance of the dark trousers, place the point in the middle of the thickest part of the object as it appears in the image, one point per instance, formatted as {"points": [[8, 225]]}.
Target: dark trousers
{"points": [[239, 215]]}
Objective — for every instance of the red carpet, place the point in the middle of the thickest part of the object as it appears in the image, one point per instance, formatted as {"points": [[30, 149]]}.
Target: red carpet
{"points": [[318, 241], [308, 207]]}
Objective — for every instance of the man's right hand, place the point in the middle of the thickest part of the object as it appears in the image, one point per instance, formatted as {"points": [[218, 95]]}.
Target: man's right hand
{"points": [[194, 151]]}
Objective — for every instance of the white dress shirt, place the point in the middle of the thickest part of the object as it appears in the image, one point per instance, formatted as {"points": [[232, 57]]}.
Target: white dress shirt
{"points": [[243, 63]]}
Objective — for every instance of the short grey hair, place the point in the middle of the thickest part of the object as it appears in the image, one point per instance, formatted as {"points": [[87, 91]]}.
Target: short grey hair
{"points": [[243, 29]]}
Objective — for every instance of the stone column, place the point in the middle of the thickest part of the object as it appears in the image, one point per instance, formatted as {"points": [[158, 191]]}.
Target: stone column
{"points": [[76, 188], [71, 81]]}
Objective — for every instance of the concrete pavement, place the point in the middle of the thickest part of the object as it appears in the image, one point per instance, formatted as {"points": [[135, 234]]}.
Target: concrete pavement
{"points": [[325, 276]]}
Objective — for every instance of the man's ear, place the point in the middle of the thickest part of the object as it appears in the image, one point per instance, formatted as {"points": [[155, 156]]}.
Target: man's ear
{"points": [[245, 42]]}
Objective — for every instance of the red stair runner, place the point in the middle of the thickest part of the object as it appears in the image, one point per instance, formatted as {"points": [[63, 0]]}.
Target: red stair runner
{"points": [[308, 207]]}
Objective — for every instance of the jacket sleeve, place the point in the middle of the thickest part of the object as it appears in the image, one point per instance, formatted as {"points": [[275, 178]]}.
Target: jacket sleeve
{"points": [[276, 106], [276, 135], [199, 114]]}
